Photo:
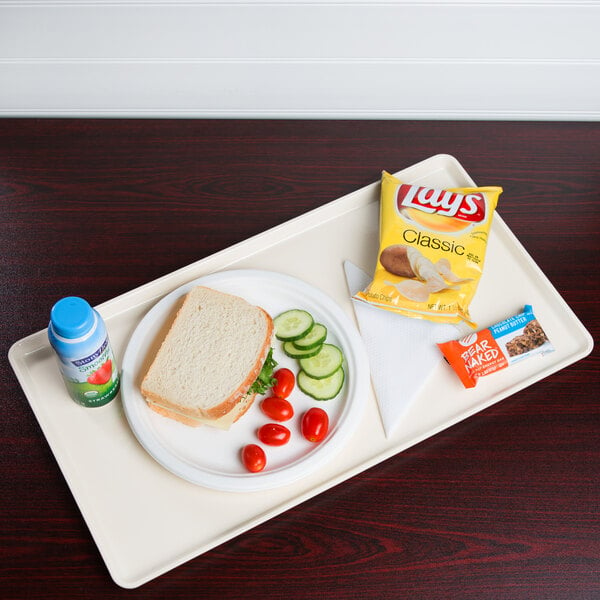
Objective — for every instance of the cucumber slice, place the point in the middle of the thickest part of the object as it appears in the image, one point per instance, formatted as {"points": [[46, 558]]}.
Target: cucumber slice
{"points": [[292, 324], [323, 364], [315, 337], [322, 389], [290, 350]]}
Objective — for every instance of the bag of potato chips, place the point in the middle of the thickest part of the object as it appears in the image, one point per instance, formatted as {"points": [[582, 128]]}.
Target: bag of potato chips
{"points": [[432, 245]]}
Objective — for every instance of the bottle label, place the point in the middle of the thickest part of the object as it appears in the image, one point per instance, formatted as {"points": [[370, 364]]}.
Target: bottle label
{"points": [[92, 380]]}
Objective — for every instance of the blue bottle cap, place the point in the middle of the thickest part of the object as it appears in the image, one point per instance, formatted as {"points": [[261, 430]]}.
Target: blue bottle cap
{"points": [[72, 317]]}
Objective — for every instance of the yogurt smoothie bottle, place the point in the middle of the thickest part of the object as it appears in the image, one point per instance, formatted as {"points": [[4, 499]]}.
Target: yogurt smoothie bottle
{"points": [[78, 335]]}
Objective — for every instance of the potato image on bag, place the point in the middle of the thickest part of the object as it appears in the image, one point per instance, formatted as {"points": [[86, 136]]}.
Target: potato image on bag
{"points": [[395, 260], [424, 278]]}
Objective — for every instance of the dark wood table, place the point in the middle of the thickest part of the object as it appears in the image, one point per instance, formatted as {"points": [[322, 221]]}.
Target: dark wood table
{"points": [[503, 505]]}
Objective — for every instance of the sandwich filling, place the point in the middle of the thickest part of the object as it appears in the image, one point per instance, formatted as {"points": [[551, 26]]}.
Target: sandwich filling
{"points": [[265, 379]]}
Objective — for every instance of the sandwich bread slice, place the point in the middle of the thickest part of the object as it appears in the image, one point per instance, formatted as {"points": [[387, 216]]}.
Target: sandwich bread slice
{"points": [[205, 368]]}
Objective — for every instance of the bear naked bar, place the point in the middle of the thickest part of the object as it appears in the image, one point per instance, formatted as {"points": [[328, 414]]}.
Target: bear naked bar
{"points": [[496, 347]]}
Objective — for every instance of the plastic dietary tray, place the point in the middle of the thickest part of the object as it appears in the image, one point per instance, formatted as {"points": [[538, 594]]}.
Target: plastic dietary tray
{"points": [[120, 488]]}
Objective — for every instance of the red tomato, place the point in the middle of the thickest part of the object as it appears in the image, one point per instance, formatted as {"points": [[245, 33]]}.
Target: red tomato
{"points": [[285, 382], [315, 424], [274, 434], [278, 409], [254, 458]]}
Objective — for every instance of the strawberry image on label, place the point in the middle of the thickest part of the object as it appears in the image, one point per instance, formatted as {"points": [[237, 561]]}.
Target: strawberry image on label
{"points": [[101, 375]]}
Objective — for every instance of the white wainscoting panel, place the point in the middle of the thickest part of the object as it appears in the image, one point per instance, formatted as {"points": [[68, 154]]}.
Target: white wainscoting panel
{"points": [[401, 60]]}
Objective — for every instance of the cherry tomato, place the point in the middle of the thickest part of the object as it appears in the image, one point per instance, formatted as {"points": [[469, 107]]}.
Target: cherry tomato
{"points": [[254, 458], [274, 434], [285, 382], [315, 424], [278, 409]]}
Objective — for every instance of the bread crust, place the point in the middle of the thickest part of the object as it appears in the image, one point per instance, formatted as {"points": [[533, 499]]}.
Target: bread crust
{"points": [[228, 404], [191, 422]]}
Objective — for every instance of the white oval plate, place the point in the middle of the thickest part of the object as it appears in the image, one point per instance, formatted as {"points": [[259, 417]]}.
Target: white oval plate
{"points": [[210, 457]]}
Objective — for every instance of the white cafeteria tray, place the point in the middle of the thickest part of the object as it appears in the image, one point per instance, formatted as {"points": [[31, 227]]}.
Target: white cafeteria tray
{"points": [[121, 490]]}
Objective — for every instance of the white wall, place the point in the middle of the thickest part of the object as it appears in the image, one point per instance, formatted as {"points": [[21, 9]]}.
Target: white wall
{"points": [[420, 59]]}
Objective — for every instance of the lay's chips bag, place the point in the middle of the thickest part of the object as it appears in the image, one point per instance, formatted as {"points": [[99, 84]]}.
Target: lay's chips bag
{"points": [[432, 245]]}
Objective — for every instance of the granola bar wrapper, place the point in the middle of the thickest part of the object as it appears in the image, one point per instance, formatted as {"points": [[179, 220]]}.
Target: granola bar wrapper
{"points": [[432, 245], [497, 347]]}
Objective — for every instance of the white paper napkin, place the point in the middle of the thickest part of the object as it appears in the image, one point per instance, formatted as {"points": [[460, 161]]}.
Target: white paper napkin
{"points": [[402, 351]]}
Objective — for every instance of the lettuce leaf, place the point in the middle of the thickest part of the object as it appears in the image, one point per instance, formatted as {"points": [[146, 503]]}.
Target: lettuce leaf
{"points": [[265, 379]]}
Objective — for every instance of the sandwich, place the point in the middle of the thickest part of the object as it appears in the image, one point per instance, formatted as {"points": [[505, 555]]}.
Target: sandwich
{"points": [[215, 358]]}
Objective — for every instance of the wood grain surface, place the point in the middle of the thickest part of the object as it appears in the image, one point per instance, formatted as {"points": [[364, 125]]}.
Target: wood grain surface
{"points": [[505, 505]]}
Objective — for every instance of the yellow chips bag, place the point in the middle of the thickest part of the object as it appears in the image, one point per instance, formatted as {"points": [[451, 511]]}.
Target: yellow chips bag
{"points": [[432, 245]]}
